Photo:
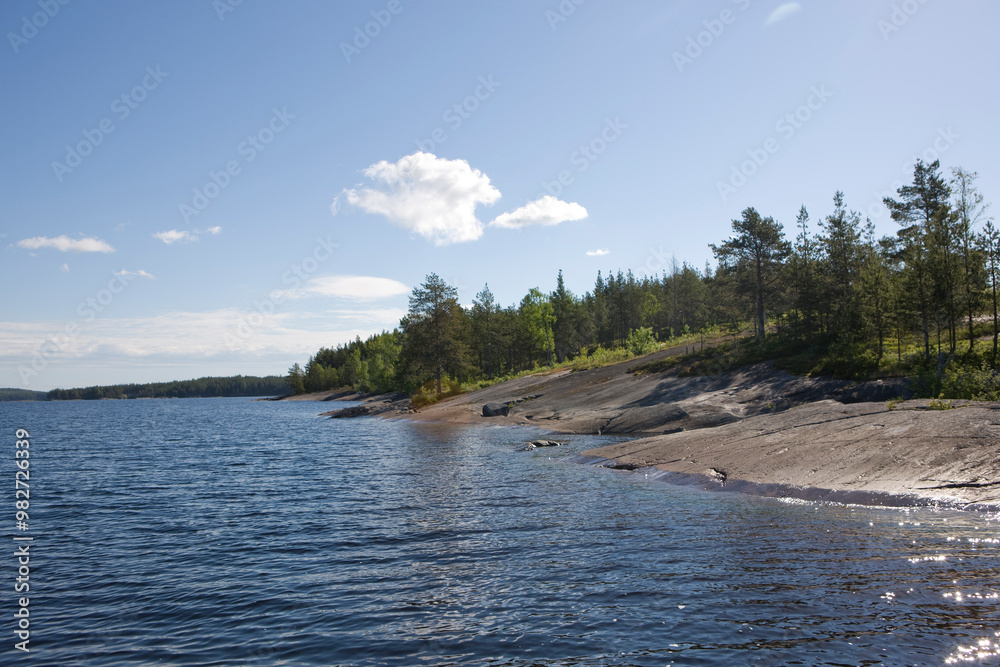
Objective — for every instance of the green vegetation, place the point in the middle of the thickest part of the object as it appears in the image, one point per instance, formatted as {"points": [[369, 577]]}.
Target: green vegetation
{"points": [[8, 394], [238, 385], [892, 403], [921, 303]]}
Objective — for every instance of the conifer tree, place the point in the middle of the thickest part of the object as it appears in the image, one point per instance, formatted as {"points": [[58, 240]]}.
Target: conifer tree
{"points": [[432, 328], [755, 254]]}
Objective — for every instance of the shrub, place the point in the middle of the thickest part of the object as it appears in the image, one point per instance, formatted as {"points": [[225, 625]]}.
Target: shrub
{"points": [[640, 341], [427, 393], [970, 382]]}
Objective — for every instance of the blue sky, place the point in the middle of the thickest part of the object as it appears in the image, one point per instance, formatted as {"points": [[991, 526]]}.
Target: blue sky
{"points": [[210, 187]]}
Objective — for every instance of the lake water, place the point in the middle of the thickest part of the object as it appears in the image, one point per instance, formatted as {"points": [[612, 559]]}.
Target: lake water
{"points": [[235, 532]]}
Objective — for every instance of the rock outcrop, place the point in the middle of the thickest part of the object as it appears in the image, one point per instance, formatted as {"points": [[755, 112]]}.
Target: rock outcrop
{"points": [[347, 413]]}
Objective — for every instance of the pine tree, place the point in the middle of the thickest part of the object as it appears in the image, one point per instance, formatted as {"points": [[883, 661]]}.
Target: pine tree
{"points": [[564, 330], [296, 379], [970, 210], [875, 290], [484, 315], [803, 265], [920, 205], [433, 329], [755, 254], [841, 243]]}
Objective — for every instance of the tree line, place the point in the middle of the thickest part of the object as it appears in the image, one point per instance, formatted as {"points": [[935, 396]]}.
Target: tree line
{"points": [[205, 387], [850, 303]]}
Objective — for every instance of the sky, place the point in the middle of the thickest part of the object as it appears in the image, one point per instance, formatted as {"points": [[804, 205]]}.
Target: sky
{"points": [[220, 187]]}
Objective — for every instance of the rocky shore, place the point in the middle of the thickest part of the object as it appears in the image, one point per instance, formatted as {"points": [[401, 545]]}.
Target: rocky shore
{"points": [[862, 453], [753, 430]]}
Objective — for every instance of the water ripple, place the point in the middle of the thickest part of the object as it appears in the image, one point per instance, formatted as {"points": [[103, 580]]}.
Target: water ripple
{"points": [[232, 532]]}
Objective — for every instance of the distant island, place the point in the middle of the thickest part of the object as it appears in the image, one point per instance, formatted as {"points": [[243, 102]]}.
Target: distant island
{"points": [[11, 394], [206, 387]]}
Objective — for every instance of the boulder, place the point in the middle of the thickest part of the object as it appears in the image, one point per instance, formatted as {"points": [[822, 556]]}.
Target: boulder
{"points": [[496, 410]]}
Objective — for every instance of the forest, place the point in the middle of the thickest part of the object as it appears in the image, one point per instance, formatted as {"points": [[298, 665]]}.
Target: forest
{"points": [[827, 297], [206, 387], [11, 394]]}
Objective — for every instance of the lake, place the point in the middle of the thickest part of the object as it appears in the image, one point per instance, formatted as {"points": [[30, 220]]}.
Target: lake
{"points": [[240, 532]]}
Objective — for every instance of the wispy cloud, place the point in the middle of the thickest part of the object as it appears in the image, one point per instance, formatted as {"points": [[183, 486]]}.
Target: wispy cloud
{"points": [[782, 12], [598, 253], [354, 288], [140, 273], [66, 244], [545, 211], [183, 236], [64, 268], [433, 197]]}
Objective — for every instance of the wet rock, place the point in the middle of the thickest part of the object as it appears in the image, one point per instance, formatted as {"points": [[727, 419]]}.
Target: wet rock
{"points": [[619, 465], [717, 475]]}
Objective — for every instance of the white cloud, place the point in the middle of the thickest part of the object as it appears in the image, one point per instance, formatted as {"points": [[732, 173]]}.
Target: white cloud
{"points": [[545, 211], [598, 253], [219, 342], [183, 236], [175, 236], [66, 244], [430, 196], [64, 267], [355, 288], [140, 273], [783, 12]]}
